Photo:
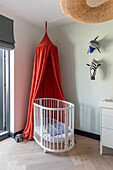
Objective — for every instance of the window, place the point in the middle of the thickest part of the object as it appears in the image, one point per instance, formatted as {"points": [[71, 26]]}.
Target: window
{"points": [[4, 92], [7, 43]]}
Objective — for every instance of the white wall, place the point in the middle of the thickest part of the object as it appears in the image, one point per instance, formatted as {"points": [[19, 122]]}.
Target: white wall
{"points": [[27, 37], [72, 41]]}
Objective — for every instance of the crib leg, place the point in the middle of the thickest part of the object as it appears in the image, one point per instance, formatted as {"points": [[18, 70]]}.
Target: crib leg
{"points": [[45, 151]]}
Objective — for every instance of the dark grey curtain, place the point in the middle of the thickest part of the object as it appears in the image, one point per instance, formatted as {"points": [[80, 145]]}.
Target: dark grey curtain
{"points": [[6, 33]]}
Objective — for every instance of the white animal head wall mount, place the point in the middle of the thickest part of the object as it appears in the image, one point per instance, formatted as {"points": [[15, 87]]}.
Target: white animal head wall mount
{"points": [[93, 67], [93, 44]]}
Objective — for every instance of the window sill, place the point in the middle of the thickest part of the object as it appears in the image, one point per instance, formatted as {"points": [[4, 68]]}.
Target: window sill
{"points": [[4, 135]]}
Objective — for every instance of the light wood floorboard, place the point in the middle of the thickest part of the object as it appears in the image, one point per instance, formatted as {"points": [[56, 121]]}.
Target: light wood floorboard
{"points": [[28, 155]]}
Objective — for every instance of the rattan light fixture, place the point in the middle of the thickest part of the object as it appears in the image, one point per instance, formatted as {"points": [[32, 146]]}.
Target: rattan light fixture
{"points": [[87, 11]]}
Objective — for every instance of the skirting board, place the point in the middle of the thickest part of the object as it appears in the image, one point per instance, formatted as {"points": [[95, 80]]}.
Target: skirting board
{"points": [[76, 131], [14, 134], [87, 134]]}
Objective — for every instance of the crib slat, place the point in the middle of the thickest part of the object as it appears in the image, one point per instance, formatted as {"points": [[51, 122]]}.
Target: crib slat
{"points": [[44, 127], [50, 126], [46, 103], [61, 128], [70, 125], [69, 118], [47, 127], [67, 126], [40, 102], [51, 104], [57, 126], [57, 121], [34, 119], [73, 124], [37, 117], [66, 131], [39, 114], [53, 132], [41, 124]]}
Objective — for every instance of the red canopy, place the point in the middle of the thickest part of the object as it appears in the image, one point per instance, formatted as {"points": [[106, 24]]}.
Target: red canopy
{"points": [[46, 80]]}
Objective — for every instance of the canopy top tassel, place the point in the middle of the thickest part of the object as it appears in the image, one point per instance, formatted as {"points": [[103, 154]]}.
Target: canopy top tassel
{"points": [[46, 27]]}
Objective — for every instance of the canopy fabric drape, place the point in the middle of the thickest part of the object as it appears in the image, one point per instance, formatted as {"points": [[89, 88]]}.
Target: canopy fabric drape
{"points": [[46, 80], [6, 33]]}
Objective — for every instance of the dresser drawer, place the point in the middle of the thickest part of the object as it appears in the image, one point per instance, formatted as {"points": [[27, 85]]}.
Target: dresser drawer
{"points": [[107, 137], [107, 118]]}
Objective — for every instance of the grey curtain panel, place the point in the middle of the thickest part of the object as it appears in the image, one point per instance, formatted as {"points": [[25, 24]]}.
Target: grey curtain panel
{"points": [[6, 33]]}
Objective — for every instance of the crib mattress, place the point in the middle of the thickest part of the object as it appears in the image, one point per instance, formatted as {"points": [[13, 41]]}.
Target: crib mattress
{"points": [[52, 133]]}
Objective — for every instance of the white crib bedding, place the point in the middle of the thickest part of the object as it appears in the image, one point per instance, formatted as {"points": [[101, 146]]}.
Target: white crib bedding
{"points": [[50, 133]]}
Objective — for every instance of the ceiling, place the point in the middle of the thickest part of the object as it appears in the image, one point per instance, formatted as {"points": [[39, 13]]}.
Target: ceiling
{"points": [[36, 12]]}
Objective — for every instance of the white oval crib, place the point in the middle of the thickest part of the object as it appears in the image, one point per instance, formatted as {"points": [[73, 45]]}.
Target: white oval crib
{"points": [[54, 124]]}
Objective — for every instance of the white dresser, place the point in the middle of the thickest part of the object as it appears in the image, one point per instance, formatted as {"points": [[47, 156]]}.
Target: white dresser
{"points": [[106, 124]]}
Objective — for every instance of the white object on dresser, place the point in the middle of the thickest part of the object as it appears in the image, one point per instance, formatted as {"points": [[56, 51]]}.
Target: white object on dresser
{"points": [[106, 124]]}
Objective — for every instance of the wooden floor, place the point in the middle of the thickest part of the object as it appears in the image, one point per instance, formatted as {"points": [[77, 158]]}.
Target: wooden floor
{"points": [[28, 155]]}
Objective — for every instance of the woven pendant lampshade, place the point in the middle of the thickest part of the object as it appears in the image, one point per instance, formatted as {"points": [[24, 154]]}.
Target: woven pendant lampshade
{"points": [[87, 11]]}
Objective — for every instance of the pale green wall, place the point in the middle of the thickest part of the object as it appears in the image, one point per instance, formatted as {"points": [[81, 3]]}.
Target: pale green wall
{"points": [[72, 41]]}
